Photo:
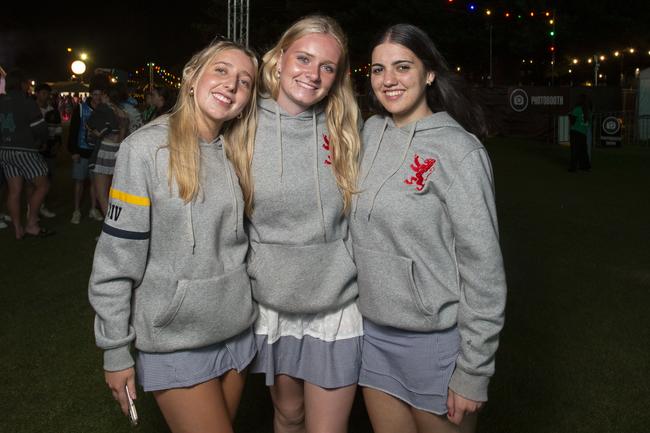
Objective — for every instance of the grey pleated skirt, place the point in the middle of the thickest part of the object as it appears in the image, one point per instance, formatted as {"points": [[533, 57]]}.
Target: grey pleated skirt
{"points": [[415, 367], [328, 364], [185, 368]]}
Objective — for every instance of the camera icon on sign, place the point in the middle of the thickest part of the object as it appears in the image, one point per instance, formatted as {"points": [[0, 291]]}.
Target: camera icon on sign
{"points": [[519, 100]]}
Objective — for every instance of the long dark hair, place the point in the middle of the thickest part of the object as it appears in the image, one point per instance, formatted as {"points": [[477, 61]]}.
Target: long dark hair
{"points": [[448, 92]]}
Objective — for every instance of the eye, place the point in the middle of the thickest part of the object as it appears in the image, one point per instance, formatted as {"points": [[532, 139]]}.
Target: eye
{"points": [[403, 67], [329, 69], [220, 70], [377, 70], [245, 83], [303, 59]]}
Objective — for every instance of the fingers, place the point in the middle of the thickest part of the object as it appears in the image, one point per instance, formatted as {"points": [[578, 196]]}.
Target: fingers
{"points": [[130, 383], [117, 382], [458, 407]]}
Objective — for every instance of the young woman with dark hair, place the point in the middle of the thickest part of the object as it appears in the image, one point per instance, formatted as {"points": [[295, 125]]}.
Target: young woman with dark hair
{"points": [[424, 228]]}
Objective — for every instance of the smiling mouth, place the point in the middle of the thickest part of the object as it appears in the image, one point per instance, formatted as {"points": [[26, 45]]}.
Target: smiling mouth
{"points": [[393, 93], [305, 85], [222, 98]]}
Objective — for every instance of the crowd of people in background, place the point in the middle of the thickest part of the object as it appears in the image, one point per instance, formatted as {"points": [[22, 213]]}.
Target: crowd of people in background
{"points": [[97, 121]]}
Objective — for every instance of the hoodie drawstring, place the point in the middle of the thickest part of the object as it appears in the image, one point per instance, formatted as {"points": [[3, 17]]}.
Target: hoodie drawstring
{"points": [[231, 184], [372, 162], [318, 195], [191, 226], [401, 162], [278, 136]]}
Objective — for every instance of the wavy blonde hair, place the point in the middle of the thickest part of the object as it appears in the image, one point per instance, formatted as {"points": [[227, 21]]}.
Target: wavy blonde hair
{"points": [[341, 107], [238, 133]]}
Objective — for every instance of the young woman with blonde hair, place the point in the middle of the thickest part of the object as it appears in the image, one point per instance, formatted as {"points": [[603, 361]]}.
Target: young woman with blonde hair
{"points": [[169, 274], [304, 169]]}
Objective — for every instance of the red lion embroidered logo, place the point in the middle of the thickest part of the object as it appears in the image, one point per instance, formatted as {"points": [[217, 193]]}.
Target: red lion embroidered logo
{"points": [[422, 172], [326, 146]]}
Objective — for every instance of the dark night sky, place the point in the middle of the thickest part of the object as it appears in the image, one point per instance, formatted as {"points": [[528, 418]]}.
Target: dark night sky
{"points": [[121, 34]]}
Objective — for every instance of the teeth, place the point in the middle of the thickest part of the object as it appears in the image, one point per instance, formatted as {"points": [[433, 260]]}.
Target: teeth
{"points": [[307, 85], [394, 92], [222, 98]]}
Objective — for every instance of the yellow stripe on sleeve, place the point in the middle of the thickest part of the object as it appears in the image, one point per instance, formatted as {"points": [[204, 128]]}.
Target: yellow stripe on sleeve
{"points": [[129, 198]]}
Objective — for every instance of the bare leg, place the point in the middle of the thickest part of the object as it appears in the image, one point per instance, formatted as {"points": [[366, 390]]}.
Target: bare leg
{"points": [[93, 195], [41, 187], [201, 408], [78, 193], [102, 183], [14, 188], [387, 413], [429, 422], [232, 385], [328, 410], [288, 397]]}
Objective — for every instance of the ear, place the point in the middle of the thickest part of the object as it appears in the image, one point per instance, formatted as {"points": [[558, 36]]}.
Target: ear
{"points": [[430, 77]]}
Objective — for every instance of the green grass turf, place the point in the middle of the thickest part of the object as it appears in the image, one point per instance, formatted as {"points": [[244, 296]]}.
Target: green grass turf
{"points": [[574, 351]]}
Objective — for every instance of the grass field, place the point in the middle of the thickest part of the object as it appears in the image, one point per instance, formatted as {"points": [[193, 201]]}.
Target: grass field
{"points": [[574, 352]]}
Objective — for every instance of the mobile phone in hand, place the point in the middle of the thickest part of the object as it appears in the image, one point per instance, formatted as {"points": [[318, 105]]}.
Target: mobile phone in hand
{"points": [[133, 414]]}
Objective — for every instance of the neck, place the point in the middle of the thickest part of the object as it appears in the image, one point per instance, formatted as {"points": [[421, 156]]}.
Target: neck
{"points": [[209, 130]]}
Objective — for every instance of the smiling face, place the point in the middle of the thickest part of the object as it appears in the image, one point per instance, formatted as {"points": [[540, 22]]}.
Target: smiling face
{"points": [[223, 90], [399, 80], [308, 70]]}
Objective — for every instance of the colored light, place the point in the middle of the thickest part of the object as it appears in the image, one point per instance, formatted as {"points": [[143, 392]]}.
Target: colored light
{"points": [[83, 56], [616, 54], [507, 14], [602, 58], [547, 14], [471, 7], [552, 48], [552, 33], [488, 12], [588, 60], [69, 50], [532, 14], [551, 22], [631, 50], [575, 61], [570, 71]]}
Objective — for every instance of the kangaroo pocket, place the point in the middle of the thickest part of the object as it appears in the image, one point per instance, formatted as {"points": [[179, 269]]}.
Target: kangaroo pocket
{"points": [[302, 278], [205, 311], [388, 294]]}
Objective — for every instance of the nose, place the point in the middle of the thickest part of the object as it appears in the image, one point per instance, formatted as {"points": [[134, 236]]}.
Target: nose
{"points": [[231, 84], [389, 78], [313, 72]]}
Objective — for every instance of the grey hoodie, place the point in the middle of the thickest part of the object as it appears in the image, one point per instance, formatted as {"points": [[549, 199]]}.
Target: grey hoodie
{"points": [[299, 261], [425, 235], [166, 274]]}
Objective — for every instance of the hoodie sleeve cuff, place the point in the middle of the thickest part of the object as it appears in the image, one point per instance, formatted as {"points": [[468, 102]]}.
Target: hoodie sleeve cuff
{"points": [[118, 359], [469, 386]]}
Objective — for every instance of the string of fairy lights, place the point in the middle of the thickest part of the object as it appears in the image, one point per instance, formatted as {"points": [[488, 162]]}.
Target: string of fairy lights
{"points": [[169, 78], [569, 62]]}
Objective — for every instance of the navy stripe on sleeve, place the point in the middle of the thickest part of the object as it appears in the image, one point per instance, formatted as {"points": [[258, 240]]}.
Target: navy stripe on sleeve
{"points": [[125, 234]]}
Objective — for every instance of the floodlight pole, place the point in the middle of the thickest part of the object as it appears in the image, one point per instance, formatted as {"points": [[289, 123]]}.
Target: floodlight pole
{"points": [[238, 21]]}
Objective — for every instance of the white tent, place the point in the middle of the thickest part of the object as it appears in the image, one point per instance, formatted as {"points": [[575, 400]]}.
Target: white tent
{"points": [[643, 107]]}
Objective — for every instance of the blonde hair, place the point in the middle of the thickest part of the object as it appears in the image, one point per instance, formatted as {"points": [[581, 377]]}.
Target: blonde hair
{"points": [[238, 133], [341, 108]]}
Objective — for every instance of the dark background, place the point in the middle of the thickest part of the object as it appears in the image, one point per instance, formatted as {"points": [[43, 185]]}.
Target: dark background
{"points": [[127, 35]]}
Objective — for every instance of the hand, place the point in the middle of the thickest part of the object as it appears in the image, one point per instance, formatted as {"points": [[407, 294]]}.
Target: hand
{"points": [[116, 380], [458, 406], [76, 157]]}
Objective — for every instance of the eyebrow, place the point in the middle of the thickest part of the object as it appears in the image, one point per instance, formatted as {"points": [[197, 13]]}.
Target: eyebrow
{"points": [[396, 62], [221, 62]]}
